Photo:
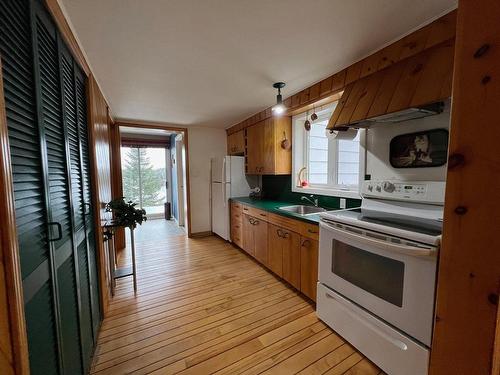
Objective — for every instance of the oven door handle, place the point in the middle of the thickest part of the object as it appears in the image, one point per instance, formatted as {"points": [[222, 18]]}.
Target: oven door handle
{"points": [[397, 248]]}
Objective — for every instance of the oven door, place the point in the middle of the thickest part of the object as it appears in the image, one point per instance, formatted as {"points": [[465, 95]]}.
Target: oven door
{"points": [[394, 281]]}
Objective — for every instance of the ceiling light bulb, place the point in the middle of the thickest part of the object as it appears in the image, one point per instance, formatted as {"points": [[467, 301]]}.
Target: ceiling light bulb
{"points": [[279, 109]]}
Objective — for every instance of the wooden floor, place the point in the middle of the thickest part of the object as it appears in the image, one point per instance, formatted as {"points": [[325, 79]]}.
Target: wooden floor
{"points": [[204, 307]]}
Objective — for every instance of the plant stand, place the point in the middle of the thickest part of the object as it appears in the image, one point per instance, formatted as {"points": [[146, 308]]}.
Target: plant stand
{"points": [[119, 272]]}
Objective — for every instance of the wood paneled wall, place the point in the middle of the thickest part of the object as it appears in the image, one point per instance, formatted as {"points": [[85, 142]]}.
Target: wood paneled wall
{"points": [[116, 172], [13, 341], [469, 263], [424, 38], [100, 134]]}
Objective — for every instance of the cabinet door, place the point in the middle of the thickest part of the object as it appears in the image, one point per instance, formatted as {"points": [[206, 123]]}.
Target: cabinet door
{"points": [[260, 240], [268, 141], [248, 235], [308, 267], [291, 257], [275, 249], [236, 143], [236, 231], [255, 135]]}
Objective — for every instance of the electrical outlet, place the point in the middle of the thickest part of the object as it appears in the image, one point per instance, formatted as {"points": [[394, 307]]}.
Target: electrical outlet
{"points": [[342, 202]]}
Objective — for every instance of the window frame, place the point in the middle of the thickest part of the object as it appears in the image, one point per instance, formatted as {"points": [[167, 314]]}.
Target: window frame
{"points": [[300, 158]]}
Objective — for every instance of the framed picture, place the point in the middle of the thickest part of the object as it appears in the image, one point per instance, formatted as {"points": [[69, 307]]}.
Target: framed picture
{"points": [[420, 150]]}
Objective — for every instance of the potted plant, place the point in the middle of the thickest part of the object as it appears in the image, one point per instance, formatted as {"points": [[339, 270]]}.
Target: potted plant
{"points": [[125, 214]]}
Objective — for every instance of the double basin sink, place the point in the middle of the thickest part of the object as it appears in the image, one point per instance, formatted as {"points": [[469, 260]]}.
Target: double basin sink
{"points": [[303, 210]]}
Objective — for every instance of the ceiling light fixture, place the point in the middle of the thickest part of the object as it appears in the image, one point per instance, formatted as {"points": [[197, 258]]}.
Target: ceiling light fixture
{"points": [[279, 108]]}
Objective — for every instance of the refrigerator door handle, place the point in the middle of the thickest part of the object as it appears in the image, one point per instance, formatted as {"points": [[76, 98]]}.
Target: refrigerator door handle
{"points": [[223, 174]]}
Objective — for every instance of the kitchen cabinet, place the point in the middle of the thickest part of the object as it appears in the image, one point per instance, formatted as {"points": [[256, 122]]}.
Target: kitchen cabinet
{"points": [[236, 143], [284, 254], [287, 247], [255, 238], [248, 235], [236, 224], [308, 266], [275, 250], [291, 257], [264, 152]]}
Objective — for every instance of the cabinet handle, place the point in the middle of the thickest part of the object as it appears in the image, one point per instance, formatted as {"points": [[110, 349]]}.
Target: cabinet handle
{"points": [[255, 222], [263, 215], [59, 232], [286, 234], [280, 233], [312, 231], [306, 243]]}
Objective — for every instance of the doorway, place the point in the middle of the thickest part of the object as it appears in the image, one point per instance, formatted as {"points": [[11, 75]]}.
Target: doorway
{"points": [[154, 177]]}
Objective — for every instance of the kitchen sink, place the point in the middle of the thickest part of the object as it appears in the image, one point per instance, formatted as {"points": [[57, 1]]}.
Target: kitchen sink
{"points": [[301, 209]]}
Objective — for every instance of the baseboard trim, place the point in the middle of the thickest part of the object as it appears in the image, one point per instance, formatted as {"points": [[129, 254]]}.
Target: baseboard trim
{"points": [[201, 234]]}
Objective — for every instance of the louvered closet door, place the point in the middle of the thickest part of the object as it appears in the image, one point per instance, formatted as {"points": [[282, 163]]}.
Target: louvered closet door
{"points": [[30, 198], [81, 107], [69, 71], [50, 114]]}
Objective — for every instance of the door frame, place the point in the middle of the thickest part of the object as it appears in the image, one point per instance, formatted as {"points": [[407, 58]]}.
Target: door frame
{"points": [[179, 170], [185, 137]]}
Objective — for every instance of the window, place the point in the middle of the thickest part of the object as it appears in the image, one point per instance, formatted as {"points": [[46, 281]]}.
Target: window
{"points": [[330, 166]]}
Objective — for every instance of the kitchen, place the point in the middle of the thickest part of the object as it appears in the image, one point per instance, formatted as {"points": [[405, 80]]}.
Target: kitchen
{"points": [[331, 166]]}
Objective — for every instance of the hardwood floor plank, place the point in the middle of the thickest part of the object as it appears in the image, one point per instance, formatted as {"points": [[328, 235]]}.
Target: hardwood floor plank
{"points": [[205, 307]]}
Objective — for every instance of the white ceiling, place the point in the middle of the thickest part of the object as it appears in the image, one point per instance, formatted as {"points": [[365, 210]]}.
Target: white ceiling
{"points": [[213, 62]]}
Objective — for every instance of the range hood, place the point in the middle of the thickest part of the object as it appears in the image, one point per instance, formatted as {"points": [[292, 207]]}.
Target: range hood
{"points": [[410, 89], [404, 115]]}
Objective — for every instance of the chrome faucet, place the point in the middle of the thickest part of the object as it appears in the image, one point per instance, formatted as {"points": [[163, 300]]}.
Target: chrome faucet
{"points": [[310, 199]]}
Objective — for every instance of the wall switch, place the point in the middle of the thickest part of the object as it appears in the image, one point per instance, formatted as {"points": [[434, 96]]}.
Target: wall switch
{"points": [[342, 202]]}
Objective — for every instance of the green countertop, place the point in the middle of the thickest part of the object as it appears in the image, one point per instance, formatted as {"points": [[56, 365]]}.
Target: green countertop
{"points": [[272, 206]]}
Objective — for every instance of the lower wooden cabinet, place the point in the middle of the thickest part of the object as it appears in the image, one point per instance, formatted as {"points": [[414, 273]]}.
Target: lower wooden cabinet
{"points": [[275, 250], [248, 235], [236, 224], [287, 253], [255, 238], [308, 267]]}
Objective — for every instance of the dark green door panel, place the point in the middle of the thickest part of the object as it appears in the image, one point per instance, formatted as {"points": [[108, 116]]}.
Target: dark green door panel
{"points": [[41, 333], [69, 317]]}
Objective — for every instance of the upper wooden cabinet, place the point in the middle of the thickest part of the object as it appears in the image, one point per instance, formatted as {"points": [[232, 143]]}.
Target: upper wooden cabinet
{"points": [[422, 79], [236, 143], [264, 152]]}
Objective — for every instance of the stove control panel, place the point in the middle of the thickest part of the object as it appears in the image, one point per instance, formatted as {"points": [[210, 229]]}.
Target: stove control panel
{"points": [[421, 191]]}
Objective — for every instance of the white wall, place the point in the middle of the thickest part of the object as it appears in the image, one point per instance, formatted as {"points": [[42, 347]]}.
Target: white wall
{"points": [[378, 140], [204, 144]]}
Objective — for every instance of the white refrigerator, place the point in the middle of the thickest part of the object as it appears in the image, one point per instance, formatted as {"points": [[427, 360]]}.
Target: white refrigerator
{"points": [[228, 180]]}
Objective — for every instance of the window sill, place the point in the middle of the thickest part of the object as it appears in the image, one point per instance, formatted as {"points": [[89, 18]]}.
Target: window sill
{"points": [[354, 194]]}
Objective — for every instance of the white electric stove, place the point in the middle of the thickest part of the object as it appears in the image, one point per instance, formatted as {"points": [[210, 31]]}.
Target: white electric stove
{"points": [[377, 272]]}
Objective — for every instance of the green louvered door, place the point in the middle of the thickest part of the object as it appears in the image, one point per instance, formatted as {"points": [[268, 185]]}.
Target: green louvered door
{"points": [[29, 181], [51, 115], [72, 117], [45, 96], [86, 208]]}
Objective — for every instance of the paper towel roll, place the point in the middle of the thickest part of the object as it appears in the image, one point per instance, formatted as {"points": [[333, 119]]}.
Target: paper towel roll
{"points": [[347, 135]]}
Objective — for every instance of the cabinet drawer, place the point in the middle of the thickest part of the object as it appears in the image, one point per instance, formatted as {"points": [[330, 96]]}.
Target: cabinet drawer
{"points": [[309, 230], [236, 216], [236, 207], [284, 222], [255, 212]]}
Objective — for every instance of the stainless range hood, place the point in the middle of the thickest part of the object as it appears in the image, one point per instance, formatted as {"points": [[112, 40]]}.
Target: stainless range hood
{"points": [[404, 115]]}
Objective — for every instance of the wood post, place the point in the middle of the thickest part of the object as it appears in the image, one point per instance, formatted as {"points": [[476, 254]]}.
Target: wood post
{"points": [[469, 263]]}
